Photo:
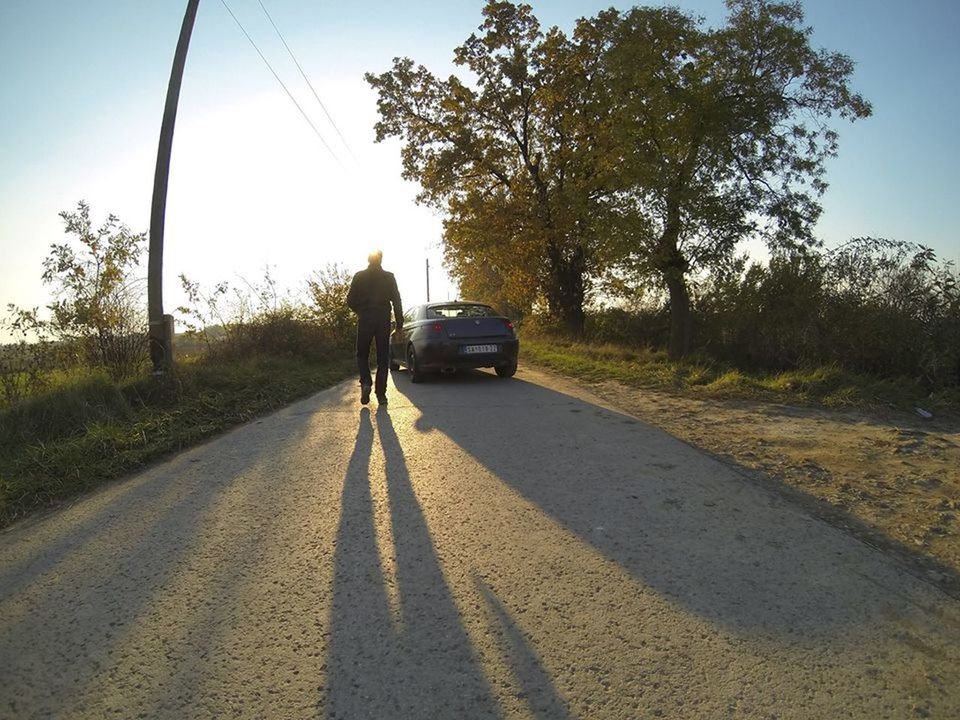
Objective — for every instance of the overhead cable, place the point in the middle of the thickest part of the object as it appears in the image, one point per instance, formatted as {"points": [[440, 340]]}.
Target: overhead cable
{"points": [[282, 84], [307, 80]]}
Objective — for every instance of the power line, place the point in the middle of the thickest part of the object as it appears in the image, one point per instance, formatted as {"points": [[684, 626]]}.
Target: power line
{"points": [[307, 80], [285, 89]]}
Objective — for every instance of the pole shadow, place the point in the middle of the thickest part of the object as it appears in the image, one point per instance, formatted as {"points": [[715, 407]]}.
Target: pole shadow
{"points": [[539, 692], [83, 601]]}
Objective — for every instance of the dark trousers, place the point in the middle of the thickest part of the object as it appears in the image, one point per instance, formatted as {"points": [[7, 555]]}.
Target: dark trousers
{"points": [[373, 327]]}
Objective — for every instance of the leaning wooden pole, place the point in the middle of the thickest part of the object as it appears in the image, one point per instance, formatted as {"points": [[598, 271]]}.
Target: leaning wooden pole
{"points": [[161, 350]]}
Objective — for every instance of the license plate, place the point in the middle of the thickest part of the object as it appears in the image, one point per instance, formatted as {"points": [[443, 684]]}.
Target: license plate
{"points": [[472, 349]]}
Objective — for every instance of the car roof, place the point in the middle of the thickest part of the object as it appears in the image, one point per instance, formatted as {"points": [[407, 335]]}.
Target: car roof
{"points": [[448, 303]]}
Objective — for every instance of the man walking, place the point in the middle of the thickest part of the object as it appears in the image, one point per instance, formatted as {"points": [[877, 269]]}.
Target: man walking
{"points": [[372, 291]]}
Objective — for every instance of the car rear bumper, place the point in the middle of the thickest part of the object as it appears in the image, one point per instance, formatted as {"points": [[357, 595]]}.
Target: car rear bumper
{"points": [[451, 354]]}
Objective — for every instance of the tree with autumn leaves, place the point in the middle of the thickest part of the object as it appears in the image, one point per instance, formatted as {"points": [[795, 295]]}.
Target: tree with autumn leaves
{"points": [[644, 146]]}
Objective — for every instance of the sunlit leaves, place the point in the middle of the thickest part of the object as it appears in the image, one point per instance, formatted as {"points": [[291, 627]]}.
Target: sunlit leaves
{"points": [[510, 154], [643, 143]]}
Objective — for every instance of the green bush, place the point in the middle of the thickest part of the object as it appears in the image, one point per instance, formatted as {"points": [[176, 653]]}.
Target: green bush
{"points": [[643, 327], [876, 307], [233, 323]]}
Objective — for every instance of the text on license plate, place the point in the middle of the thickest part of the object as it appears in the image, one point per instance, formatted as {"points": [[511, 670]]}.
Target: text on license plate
{"points": [[471, 349]]}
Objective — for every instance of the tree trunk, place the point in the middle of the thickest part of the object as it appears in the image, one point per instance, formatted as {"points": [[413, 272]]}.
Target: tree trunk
{"points": [[567, 291], [674, 266], [679, 315], [673, 270]]}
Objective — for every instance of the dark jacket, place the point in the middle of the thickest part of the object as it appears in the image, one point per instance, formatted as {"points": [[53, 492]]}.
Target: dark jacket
{"points": [[372, 291]]}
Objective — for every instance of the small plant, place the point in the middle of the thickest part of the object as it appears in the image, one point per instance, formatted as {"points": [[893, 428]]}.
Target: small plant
{"points": [[98, 311], [327, 290], [25, 364], [205, 316], [235, 322]]}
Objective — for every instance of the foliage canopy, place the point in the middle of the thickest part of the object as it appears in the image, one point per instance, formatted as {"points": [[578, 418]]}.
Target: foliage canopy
{"points": [[643, 146]]}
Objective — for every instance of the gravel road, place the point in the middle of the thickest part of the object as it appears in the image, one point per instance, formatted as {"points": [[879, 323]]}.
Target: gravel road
{"points": [[481, 548]]}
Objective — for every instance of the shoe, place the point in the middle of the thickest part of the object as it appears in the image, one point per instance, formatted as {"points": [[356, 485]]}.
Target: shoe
{"points": [[364, 394], [382, 398]]}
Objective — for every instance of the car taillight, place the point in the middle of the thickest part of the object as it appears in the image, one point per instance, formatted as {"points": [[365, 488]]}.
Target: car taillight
{"points": [[509, 324], [436, 330]]}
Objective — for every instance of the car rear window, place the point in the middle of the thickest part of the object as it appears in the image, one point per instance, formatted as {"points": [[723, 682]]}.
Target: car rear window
{"points": [[453, 311]]}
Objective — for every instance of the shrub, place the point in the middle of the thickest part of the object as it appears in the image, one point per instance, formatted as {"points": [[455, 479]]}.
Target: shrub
{"points": [[24, 365], [874, 305], [98, 303], [258, 320], [327, 290], [646, 326], [97, 317]]}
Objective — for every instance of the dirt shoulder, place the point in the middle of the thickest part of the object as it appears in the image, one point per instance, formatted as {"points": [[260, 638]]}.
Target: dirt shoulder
{"points": [[890, 478]]}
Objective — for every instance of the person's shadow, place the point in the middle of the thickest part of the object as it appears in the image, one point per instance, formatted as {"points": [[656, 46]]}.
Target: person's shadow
{"points": [[415, 661]]}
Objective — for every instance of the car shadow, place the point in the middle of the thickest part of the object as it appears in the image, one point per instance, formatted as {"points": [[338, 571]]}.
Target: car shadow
{"points": [[682, 523]]}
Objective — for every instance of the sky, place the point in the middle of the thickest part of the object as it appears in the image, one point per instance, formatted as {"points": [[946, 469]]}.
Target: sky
{"points": [[83, 84]]}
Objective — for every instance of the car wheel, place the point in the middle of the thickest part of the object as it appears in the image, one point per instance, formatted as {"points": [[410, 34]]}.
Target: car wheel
{"points": [[506, 371], [416, 375]]}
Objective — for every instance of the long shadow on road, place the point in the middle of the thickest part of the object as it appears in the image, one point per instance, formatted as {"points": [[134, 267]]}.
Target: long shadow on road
{"points": [[415, 661], [680, 522]]}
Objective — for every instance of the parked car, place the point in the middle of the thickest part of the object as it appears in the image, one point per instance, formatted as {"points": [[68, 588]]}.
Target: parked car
{"points": [[450, 336]]}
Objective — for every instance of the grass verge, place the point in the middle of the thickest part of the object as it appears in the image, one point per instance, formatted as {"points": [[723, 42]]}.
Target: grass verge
{"points": [[827, 386], [90, 430]]}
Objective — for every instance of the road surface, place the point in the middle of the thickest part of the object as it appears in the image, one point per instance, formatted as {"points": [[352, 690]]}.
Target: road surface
{"points": [[482, 548]]}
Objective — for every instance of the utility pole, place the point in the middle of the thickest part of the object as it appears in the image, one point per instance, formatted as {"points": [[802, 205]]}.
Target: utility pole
{"points": [[161, 326], [428, 279]]}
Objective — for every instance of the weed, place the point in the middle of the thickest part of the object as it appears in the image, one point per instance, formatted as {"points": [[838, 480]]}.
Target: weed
{"points": [[95, 429], [826, 385]]}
